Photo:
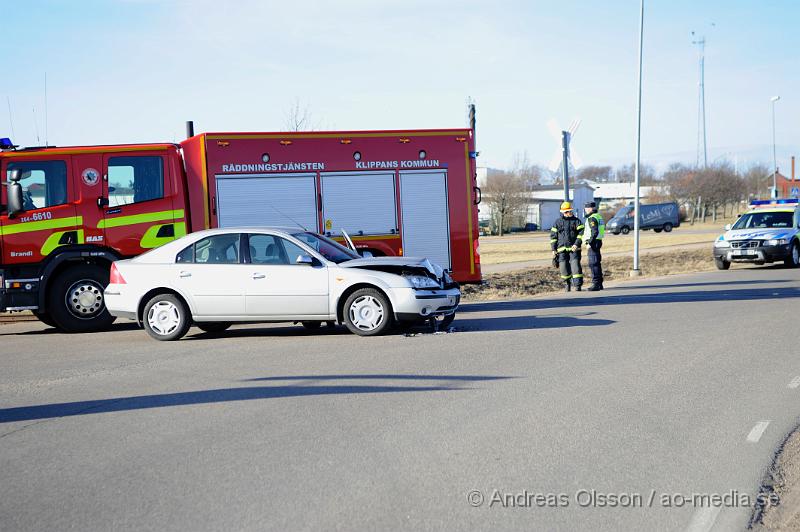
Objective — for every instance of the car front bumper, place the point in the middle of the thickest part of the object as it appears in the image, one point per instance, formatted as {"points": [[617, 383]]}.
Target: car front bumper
{"points": [[414, 305], [757, 254]]}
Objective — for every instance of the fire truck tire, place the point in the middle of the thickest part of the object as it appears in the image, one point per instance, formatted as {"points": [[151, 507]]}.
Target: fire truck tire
{"points": [[45, 318], [76, 300], [213, 327], [166, 317]]}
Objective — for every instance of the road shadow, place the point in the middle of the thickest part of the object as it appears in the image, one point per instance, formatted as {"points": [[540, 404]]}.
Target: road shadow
{"points": [[612, 297], [226, 395], [720, 283], [519, 323], [117, 327], [401, 376]]}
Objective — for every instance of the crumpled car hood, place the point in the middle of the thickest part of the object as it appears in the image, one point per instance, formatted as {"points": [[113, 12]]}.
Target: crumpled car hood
{"points": [[393, 262]]}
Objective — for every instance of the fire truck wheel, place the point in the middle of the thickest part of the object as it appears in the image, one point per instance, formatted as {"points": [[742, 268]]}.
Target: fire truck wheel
{"points": [[166, 317], [45, 318], [367, 312], [76, 298], [213, 326]]}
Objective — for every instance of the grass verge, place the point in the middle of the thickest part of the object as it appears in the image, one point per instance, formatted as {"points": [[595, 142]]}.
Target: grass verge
{"points": [[540, 279]]}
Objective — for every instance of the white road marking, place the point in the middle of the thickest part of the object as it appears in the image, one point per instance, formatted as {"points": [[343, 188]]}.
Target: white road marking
{"points": [[795, 382], [757, 431], [703, 519]]}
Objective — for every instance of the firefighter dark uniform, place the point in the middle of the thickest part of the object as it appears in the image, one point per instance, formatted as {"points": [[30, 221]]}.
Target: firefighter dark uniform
{"points": [[594, 231], [565, 234]]}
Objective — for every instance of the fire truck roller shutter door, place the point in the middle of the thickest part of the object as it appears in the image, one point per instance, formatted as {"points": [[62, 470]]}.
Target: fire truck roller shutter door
{"points": [[360, 203], [426, 224], [267, 199]]}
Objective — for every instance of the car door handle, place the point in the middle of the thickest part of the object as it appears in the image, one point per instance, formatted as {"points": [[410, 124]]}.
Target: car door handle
{"points": [[185, 274], [258, 276]]}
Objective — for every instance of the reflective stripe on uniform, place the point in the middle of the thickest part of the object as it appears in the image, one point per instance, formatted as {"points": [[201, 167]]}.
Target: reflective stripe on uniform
{"points": [[566, 277], [40, 225], [140, 218]]}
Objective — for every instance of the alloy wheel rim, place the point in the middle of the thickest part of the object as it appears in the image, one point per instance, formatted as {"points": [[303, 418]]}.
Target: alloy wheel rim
{"points": [[796, 254], [366, 313], [163, 317], [84, 299]]}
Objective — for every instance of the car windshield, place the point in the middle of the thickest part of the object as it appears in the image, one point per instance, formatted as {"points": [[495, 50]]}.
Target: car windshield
{"points": [[331, 250], [764, 220], [623, 212]]}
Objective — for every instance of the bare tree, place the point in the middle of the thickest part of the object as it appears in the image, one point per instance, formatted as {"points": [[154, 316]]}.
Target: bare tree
{"points": [[298, 118], [599, 174], [626, 174], [522, 167], [506, 196]]}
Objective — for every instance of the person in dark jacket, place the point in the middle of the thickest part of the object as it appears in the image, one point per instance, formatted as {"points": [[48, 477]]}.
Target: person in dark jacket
{"points": [[593, 233], [565, 241]]}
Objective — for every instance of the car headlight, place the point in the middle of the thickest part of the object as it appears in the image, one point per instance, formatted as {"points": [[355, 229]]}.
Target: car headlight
{"points": [[420, 281], [722, 244], [775, 242]]}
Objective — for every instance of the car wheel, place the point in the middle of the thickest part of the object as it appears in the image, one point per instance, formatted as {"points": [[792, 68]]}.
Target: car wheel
{"points": [[443, 322], [367, 312], [166, 317], [76, 300], [794, 259], [625, 230], [722, 264], [657, 229], [213, 326], [312, 325], [668, 227]]}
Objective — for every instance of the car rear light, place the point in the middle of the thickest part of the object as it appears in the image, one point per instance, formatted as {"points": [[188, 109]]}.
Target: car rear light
{"points": [[116, 277]]}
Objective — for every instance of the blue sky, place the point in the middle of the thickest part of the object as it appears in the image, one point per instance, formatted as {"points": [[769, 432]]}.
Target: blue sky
{"points": [[135, 70]]}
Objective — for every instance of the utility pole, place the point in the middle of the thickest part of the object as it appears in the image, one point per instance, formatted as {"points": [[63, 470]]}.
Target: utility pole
{"points": [[701, 106], [774, 99], [636, 270], [565, 137]]}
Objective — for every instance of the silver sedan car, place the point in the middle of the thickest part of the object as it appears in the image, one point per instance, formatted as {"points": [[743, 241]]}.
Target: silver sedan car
{"points": [[216, 277]]}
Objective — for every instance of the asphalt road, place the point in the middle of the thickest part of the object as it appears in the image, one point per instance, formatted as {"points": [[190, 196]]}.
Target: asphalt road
{"points": [[684, 385]]}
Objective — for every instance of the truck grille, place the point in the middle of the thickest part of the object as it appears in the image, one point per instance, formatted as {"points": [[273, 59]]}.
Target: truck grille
{"points": [[745, 244]]}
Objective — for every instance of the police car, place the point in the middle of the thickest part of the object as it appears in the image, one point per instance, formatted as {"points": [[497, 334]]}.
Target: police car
{"points": [[768, 232]]}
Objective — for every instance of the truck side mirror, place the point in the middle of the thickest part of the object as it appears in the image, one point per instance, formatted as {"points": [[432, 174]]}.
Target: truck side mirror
{"points": [[15, 202]]}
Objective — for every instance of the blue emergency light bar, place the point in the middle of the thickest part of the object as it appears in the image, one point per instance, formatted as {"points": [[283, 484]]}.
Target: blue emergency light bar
{"points": [[783, 201], [6, 144]]}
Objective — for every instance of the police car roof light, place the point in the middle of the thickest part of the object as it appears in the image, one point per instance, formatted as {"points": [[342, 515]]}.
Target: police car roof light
{"points": [[6, 144], [783, 201]]}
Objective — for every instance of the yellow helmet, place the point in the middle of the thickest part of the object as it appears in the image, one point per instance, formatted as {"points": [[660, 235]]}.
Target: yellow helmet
{"points": [[566, 206]]}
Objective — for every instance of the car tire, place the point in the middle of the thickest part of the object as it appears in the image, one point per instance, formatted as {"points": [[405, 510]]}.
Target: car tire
{"points": [[722, 264], [312, 325], [166, 317], [625, 230], [213, 327], [657, 229], [794, 258], [667, 227], [76, 300], [367, 312]]}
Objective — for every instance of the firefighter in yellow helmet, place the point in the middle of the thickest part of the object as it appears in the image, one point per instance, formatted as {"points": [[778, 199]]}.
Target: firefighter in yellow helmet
{"points": [[566, 237]]}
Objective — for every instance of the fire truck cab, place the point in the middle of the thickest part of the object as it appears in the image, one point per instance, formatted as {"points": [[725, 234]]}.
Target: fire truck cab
{"points": [[67, 213]]}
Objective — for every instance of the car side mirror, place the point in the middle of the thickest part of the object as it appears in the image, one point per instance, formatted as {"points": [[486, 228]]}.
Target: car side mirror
{"points": [[367, 254], [304, 259], [15, 202], [727, 227]]}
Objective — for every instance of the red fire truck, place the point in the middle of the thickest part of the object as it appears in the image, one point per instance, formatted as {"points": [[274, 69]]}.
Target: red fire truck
{"points": [[67, 213]]}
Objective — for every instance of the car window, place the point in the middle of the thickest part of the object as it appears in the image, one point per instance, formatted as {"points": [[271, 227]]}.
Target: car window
{"points": [[187, 255], [134, 179], [217, 249], [266, 249], [292, 251], [44, 183], [764, 220]]}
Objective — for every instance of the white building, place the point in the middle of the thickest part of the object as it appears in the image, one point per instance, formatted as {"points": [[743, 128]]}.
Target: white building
{"points": [[545, 206], [609, 194]]}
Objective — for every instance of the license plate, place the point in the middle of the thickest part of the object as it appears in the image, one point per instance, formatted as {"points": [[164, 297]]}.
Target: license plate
{"points": [[747, 253]]}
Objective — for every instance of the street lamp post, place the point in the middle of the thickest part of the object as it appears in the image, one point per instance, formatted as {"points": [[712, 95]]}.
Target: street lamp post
{"points": [[774, 151], [636, 270]]}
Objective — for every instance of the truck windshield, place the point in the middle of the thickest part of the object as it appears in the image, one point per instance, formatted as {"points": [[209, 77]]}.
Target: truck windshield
{"points": [[764, 220], [624, 212], [331, 250]]}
